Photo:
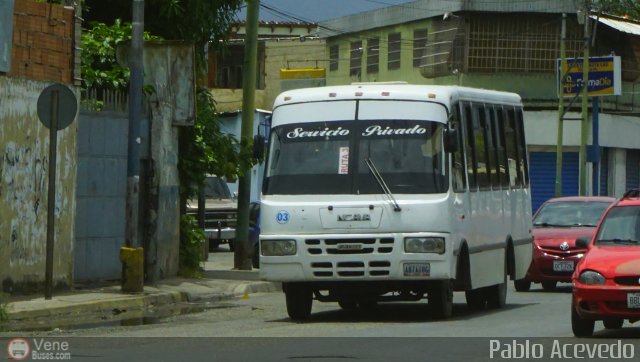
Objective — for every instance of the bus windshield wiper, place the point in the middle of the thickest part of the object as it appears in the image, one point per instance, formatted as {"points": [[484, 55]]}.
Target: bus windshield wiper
{"points": [[383, 185]]}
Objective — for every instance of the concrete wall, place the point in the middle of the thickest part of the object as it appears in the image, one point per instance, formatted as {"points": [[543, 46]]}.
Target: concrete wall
{"points": [[24, 157], [168, 67], [42, 52]]}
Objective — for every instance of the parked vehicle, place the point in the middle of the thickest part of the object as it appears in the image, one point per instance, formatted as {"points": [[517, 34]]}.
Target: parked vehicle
{"points": [[221, 212], [606, 282], [556, 226]]}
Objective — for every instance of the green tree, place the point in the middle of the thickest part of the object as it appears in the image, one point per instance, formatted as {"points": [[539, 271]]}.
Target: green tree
{"points": [[624, 8]]}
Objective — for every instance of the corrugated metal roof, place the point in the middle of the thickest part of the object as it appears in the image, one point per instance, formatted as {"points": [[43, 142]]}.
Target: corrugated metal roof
{"points": [[623, 26], [424, 9]]}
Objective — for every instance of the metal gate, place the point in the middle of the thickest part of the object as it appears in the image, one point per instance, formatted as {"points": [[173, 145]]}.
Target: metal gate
{"points": [[542, 167], [633, 169], [100, 195]]}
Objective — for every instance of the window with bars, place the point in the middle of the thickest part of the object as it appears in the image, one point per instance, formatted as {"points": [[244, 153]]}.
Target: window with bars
{"points": [[519, 43], [419, 47], [334, 57], [373, 55], [393, 54], [355, 58]]}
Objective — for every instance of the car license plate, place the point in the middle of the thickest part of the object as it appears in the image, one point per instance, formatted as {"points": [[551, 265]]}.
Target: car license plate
{"points": [[417, 269], [633, 300], [563, 265]]}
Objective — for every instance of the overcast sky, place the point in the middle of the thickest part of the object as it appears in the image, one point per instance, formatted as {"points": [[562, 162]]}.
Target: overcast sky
{"points": [[316, 10]]}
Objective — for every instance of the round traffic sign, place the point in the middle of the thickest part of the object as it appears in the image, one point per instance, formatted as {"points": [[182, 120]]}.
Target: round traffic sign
{"points": [[65, 103]]}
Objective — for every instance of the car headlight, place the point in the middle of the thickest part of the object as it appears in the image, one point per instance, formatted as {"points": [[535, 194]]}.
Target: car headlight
{"points": [[424, 245], [591, 277], [277, 247]]}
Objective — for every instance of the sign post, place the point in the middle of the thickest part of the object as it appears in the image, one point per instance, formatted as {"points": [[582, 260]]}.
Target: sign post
{"points": [[57, 108]]}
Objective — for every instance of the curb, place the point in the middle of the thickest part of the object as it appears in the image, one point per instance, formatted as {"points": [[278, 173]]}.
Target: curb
{"points": [[111, 306]]}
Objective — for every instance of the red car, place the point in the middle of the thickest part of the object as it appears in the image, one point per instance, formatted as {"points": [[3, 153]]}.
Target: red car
{"points": [[556, 226], [606, 282]]}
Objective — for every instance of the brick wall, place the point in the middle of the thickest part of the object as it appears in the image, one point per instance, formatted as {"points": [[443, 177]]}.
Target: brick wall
{"points": [[43, 42]]}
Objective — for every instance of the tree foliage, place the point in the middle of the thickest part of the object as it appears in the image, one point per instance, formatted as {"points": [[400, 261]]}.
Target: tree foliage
{"points": [[624, 8], [99, 65]]}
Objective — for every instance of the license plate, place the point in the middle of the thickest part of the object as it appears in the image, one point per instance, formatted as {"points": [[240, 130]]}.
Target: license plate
{"points": [[563, 265], [417, 269], [633, 300]]}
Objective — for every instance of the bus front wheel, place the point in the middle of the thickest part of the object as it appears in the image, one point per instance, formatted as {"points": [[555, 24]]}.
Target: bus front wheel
{"points": [[299, 300], [441, 300]]}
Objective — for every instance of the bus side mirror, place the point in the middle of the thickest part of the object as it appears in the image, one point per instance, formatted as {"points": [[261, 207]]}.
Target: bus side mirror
{"points": [[258, 147], [450, 140]]}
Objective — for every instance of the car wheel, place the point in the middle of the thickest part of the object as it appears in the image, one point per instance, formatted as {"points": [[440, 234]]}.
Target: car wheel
{"points": [[475, 299], [581, 327], [522, 285], [441, 300], [549, 285], [497, 294], [299, 301], [613, 323]]}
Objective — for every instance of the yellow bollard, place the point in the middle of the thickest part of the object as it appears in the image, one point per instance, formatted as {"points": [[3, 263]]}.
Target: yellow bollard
{"points": [[132, 269]]}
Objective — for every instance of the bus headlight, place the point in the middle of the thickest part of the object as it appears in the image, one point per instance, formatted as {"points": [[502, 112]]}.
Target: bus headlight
{"points": [[424, 245], [277, 247], [591, 277]]}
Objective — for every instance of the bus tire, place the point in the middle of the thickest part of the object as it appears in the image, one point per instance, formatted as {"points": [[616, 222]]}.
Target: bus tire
{"points": [[522, 285], [497, 294], [348, 304], [299, 300], [476, 299], [441, 300]]}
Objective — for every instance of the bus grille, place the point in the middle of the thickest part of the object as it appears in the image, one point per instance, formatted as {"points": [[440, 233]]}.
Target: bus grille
{"points": [[351, 269], [349, 246]]}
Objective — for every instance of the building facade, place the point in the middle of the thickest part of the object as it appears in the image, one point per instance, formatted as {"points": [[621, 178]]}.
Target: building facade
{"points": [[509, 46]]}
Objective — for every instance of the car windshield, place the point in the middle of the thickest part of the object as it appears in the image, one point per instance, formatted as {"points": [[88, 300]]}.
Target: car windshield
{"points": [[570, 213], [621, 226], [331, 157], [216, 188]]}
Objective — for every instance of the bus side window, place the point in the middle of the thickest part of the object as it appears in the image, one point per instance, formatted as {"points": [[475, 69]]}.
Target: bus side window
{"points": [[505, 175], [522, 148], [472, 172], [459, 173], [492, 147], [511, 138], [480, 148]]}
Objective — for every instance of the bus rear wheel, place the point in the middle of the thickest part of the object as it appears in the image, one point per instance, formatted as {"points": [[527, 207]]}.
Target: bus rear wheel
{"points": [[522, 285], [441, 300], [299, 300]]}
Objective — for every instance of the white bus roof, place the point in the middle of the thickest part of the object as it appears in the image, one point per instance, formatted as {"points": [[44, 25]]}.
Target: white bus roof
{"points": [[444, 94]]}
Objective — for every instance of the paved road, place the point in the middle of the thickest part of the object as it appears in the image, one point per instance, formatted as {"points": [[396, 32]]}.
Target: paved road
{"points": [[533, 315]]}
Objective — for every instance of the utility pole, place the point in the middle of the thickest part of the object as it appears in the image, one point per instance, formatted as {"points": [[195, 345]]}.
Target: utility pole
{"points": [[585, 102], [132, 255], [242, 258], [563, 65]]}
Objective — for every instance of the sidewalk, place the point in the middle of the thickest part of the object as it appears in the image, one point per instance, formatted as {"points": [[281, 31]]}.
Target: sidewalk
{"points": [[109, 305]]}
